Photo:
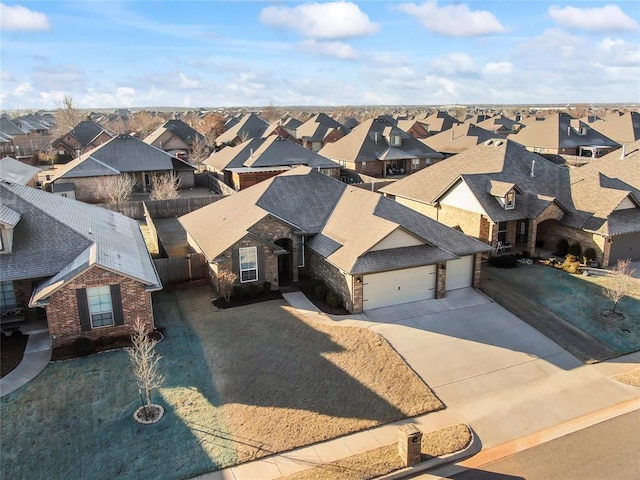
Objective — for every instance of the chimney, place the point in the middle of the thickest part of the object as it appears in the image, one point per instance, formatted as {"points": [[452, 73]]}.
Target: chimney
{"points": [[624, 152], [533, 165]]}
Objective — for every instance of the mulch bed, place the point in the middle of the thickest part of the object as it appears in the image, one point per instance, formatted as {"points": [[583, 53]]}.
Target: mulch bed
{"points": [[68, 352], [322, 305], [11, 352], [239, 302]]}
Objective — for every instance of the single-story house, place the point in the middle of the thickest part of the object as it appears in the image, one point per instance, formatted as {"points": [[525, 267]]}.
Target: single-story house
{"points": [[370, 250]]}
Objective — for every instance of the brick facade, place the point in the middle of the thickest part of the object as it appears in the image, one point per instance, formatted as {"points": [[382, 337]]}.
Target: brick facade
{"points": [[551, 232], [343, 284], [63, 316]]}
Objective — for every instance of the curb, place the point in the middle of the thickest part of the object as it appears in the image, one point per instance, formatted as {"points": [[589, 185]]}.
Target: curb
{"points": [[474, 447]]}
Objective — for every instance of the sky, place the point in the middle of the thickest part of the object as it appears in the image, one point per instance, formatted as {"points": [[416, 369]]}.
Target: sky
{"points": [[146, 53]]}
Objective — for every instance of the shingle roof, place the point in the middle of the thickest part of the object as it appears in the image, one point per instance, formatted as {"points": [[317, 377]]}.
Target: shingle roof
{"points": [[180, 129], [8, 216], [14, 171], [86, 131], [459, 138], [7, 127], [249, 126], [317, 127], [54, 231], [439, 121], [623, 127]]}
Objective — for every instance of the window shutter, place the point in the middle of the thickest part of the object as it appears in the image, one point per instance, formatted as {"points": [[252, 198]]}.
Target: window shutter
{"points": [[235, 261], [261, 275], [116, 303], [83, 309]]}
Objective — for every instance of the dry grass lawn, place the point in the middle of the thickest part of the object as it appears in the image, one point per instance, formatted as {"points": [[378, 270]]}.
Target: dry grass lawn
{"points": [[632, 377], [285, 381], [383, 460]]}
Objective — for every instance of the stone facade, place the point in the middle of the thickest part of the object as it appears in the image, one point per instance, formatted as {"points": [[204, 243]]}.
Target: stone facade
{"points": [[441, 279], [63, 316]]}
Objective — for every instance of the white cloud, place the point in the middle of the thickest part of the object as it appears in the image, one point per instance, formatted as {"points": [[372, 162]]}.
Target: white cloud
{"points": [[618, 52], [6, 76], [453, 20], [456, 63], [18, 17], [497, 68], [333, 20], [609, 18], [186, 82], [340, 50]]}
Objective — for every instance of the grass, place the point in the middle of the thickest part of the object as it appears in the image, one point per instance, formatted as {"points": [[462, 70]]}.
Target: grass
{"points": [[384, 460], [11, 352], [579, 301], [240, 383]]}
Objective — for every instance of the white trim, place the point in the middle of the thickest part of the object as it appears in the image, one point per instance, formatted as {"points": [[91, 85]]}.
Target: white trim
{"points": [[255, 252]]}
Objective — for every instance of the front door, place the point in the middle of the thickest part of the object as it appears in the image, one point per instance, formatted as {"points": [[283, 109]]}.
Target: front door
{"points": [[285, 266]]}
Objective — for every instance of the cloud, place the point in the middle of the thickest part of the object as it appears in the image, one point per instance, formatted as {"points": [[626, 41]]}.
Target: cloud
{"points": [[21, 18], [456, 63], [340, 50], [186, 82], [6, 76], [497, 68], [59, 77], [617, 52], [453, 20], [609, 18], [328, 21]]}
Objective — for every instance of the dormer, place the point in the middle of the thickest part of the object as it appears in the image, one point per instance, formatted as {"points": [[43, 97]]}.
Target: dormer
{"points": [[8, 220], [393, 137], [504, 193]]}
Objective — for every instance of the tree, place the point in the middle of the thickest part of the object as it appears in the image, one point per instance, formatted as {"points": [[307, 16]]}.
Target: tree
{"points": [[211, 126], [67, 115], [164, 187], [114, 188], [143, 123], [619, 282], [199, 152], [144, 360], [271, 113], [226, 279]]}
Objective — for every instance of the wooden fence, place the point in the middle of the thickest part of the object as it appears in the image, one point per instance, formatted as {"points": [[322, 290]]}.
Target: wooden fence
{"points": [[181, 269], [153, 232], [162, 208], [213, 183]]}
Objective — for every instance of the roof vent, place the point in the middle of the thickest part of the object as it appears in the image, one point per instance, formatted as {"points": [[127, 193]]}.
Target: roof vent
{"points": [[533, 165], [488, 142], [499, 142], [624, 152]]}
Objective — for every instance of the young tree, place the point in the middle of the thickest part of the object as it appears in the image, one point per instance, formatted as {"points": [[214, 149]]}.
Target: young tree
{"points": [[67, 115], [144, 360], [226, 279], [164, 187], [114, 188], [199, 152], [619, 282]]}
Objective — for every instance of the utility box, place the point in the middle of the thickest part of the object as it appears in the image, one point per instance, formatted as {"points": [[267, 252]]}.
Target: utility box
{"points": [[409, 444]]}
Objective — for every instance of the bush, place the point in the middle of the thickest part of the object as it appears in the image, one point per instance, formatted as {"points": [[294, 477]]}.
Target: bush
{"points": [[254, 290], [526, 254], [503, 261], [575, 249], [239, 292], [82, 346], [571, 264], [562, 247], [333, 299], [320, 291], [590, 253]]}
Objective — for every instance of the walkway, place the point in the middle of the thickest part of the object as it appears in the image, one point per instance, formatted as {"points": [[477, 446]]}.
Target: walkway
{"points": [[511, 384], [37, 355]]}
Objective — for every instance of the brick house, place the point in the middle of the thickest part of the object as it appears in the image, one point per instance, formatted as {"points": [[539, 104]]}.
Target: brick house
{"points": [[378, 148], [318, 131], [85, 136], [460, 137], [373, 252], [249, 126], [121, 155], [86, 268], [261, 158], [498, 191], [174, 136]]}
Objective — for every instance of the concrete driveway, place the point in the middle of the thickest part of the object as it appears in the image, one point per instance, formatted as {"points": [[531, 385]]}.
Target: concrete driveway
{"points": [[493, 370]]}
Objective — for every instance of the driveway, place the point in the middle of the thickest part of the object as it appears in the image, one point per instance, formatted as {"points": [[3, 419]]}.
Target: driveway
{"points": [[493, 370]]}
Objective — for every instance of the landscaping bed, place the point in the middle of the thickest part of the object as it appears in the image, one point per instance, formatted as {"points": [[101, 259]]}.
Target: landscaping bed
{"points": [[11, 352]]}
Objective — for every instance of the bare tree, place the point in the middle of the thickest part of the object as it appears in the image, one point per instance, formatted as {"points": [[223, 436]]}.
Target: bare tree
{"points": [[211, 125], [164, 187], [143, 123], [271, 113], [119, 125], [199, 152], [619, 282], [144, 360], [67, 115], [226, 279], [113, 188]]}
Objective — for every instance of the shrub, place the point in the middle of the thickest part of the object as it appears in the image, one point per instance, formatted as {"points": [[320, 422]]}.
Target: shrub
{"points": [[590, 253], [333, 299], [254, 290], [526, 254], [503, 261], [239, 292], [571, 264], [320, 291], [82, 346], [562, 247], [575, 249]]}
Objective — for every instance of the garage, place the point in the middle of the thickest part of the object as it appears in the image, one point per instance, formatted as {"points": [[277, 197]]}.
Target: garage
{"points": [[398, 286], [459, 273], [624, 246]]}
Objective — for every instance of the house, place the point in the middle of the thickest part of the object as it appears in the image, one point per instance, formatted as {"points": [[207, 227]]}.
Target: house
{"points": [[371, 251], [86, 268], [261, 158], [85, 136], [174, 136], [500, 125], [122, 155], [622, 127], [438, 121], [319, 130], [458, 138], [499, 191], [13, 136], [561, 134], [249, 126], [14, 171], [378, 148], [413, 127]]}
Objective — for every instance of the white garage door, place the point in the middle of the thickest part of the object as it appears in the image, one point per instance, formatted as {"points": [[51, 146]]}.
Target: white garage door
{"points": [[399, 286], [625, 246], [459, 273]]}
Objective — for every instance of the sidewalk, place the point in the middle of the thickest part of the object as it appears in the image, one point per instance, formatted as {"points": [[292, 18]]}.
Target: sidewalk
{"points": [[37, 354]]}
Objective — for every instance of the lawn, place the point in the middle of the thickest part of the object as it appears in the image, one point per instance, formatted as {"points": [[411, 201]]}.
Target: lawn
{"points": [[241, 383], [579, 301]]}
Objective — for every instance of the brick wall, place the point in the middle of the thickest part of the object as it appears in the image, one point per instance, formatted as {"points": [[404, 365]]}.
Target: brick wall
{"points": [[339, 283], [62, 311], [551, 232]]}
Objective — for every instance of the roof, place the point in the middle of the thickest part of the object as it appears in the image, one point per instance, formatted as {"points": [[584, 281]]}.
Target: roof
{"points": [[249, 126], [459, 138], [86, 131], [439, 121], [121, 154], [499, 123], [345, 222], [317, 128], [55, 232], [7, 127], [12, 170], [180, 129], [623, 127]]}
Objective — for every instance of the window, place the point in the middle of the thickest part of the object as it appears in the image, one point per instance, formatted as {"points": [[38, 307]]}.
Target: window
{"points": [[100, 306], [502, 232], [415, 163], [364, 164], [300, 251], [396, 140], [248, 264], [510, 200], [7, 295]]}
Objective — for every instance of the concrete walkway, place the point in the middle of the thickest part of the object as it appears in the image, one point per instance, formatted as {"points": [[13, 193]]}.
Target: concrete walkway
{"points": [[37, 355], [511, 384]]}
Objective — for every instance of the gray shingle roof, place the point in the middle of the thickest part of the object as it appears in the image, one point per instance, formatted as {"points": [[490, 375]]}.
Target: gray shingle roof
{"points": [[7, 127], [317, 128], [53, 231], [14, 171], [250, 126], [86, 131], [398, 258]]}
